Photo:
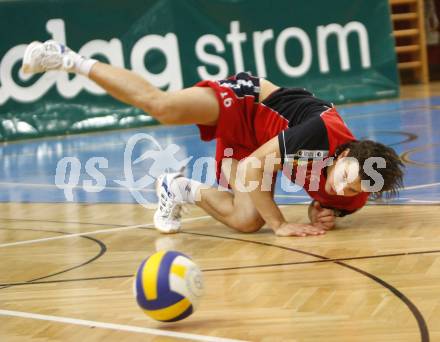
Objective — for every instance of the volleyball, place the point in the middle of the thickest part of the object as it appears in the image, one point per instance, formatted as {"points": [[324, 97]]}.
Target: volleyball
{"points": [[167, 286]]}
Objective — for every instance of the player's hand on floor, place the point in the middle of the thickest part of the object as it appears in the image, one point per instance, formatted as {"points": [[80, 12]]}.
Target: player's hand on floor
{"points": [[295, 229], [322, 217]]}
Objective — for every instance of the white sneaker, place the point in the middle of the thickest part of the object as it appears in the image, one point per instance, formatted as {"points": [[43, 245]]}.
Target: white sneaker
{"points": [[50, 55], [167, 218]]}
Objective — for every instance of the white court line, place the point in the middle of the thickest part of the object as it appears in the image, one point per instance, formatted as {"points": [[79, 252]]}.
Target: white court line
{"points": [[108, 230], [120, 188], [101, 231], [149, 225], [424, 201], [113, 326], [85, 148], [111, 188], [421, 186], [43, 185]]}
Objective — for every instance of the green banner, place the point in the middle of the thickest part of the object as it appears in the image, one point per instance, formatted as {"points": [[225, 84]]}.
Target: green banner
{"points": [[341, 50]]}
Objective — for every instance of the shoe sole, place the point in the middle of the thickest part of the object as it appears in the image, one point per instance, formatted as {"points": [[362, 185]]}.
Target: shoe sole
{"points": [[163, 229], [27, 68], [157, 224]]}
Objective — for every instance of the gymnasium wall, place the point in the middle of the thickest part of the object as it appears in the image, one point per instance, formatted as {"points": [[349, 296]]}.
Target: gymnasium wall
{"points": [[341, 50]]}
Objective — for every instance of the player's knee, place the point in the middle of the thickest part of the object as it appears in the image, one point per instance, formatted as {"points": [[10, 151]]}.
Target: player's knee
{"points": [[159, 106], [248, 225], [165, 114]]}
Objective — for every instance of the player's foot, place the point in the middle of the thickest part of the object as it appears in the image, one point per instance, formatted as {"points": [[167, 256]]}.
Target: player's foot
{"points": [[50, 55], [167, 218]]}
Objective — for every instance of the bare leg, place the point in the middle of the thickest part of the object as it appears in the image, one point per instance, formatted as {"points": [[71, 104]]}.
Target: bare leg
{"points": [[235, 210], [188, 106]]}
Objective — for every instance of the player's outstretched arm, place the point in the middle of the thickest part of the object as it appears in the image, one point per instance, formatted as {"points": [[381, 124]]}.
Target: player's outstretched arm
{"points": [[259, 167]]}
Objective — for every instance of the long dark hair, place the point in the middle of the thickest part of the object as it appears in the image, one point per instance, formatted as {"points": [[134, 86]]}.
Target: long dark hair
{"points": [[393, 172]]}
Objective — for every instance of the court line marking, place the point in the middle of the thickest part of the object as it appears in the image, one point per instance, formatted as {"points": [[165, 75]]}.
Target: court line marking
{"points": [[111, 188], [418, 316], [414, 310], [114, 326], [108, 187], [119, 188], [100, 231], [66, 186], [405, 156], [424, 202], [79, 148], [319, 261], [421, 186]]}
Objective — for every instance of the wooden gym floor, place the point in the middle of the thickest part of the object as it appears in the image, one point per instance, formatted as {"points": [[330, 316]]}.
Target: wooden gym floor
{"points": [[66, 267]]}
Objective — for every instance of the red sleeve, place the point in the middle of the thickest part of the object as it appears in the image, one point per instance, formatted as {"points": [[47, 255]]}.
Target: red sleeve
{"points": [[337, 131], [356, 203]]}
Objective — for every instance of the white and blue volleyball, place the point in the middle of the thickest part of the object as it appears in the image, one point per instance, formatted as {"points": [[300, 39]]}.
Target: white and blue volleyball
{"points": [[168, 286]]}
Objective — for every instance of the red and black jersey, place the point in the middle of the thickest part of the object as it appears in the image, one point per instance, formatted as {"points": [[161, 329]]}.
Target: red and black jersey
{"points": [[307, 128]]}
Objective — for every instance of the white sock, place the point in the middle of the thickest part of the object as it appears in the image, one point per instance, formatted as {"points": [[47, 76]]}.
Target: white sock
{"points": [[186, 190], [82, 64]]}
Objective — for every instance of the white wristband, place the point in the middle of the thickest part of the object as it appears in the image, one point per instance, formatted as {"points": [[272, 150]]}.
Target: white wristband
{"points": [[85, 65]]}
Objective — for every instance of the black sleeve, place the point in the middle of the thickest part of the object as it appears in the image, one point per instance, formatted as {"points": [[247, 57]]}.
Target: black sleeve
{"points": [[306, 140]]}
